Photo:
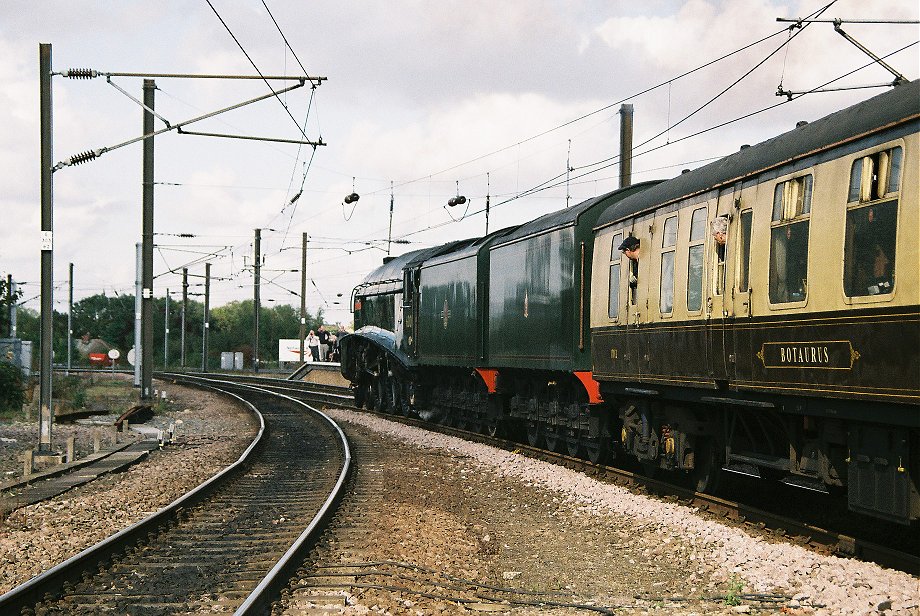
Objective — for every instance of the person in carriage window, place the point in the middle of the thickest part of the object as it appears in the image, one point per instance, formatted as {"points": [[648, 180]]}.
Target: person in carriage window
{"points": [[630, 248], [881, 272]]}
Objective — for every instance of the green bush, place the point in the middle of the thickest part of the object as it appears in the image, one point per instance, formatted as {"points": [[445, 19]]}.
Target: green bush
{"points": [[11, 393]]}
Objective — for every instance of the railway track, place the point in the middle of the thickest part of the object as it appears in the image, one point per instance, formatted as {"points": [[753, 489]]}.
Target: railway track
{"points": [[232, 542], [767, 523]]}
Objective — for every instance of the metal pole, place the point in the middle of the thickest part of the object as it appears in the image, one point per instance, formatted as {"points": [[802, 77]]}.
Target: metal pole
{"points": [[9, 305], [256, 303], [184, 306], [70, 320], [13, 308], [626, 139], [207, 316], [46, 413], [488, 192], [147, 240], [303, 298], [166, 334], [390, 232], [138, 288]]}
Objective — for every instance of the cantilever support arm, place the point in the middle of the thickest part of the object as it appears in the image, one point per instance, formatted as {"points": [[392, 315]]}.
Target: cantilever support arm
{"points": [[93, 154], [898, 77]]}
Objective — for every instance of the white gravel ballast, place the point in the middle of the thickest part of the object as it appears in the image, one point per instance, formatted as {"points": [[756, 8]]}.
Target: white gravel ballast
{"points": [[828, 585]]}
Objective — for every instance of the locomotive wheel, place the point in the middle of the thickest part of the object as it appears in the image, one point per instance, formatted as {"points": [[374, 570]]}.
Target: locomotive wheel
{"points": [[553, 437], [360, 393], [395, 396], [381, 395], [405, 400], [573, 443], [534, 434], [707, 471], [597, 449], [649, 468]]}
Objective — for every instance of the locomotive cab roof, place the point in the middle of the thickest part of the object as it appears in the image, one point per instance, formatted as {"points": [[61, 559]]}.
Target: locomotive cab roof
{"points": [[388, 277]]}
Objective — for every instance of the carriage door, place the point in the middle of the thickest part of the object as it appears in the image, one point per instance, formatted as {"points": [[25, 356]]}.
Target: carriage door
{"points": [[741, 363], [719, 304], [635, 273]]}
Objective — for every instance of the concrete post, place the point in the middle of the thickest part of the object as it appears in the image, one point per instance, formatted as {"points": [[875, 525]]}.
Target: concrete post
{"points": [[97, 444], [71, 448], [28, 460]]}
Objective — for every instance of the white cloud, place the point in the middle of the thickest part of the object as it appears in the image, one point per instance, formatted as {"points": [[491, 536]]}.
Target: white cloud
{"points": [[414, 88]]}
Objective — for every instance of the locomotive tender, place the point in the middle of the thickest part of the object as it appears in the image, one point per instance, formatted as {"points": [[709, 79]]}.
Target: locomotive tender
{"points": [[768, 323]]}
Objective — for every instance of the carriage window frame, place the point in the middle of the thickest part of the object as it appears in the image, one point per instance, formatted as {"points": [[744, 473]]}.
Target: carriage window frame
{"points": [[869, 173], [720, 268], [791, 216], [668, 251], [866, 206], [746, 228], [615, 269], [696, 257]]}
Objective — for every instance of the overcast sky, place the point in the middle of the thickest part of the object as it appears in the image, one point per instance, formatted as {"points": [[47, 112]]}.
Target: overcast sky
{"points": [[474, 96]]}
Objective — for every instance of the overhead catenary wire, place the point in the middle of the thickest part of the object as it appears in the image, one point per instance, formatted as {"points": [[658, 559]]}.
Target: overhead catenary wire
{"points": [[593, 112], [722, 92], [547, 184], [252, 62]]}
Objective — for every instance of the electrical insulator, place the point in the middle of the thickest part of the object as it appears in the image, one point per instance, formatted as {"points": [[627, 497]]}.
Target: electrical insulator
{"points": [[83, 157], [458, 200], [80, 73], [352, 198]]}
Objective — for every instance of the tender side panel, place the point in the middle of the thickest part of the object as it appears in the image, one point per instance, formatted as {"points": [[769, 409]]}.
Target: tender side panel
{"points": [[532, 302], [447, 332]]}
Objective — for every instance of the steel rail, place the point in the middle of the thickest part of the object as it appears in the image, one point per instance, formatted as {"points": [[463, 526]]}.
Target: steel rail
{"points": [[259, 600], [819, 539], [265, 589], [52, 581]]}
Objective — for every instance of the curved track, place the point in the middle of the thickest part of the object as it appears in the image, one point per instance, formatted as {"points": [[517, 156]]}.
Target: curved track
{"points": [[232, 542], [776, 524]]}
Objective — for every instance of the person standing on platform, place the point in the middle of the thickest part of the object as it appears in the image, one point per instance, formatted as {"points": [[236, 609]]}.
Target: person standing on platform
{"points": [[323, 336], [313, 345]]}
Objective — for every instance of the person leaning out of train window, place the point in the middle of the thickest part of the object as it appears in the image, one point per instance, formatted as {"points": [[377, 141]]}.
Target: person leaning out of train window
{"points": [[630, 248], [881, 272], [719, 229]]}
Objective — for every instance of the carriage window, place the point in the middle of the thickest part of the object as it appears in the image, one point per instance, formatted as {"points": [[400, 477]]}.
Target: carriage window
{"points": [[875, 176], [613, 300], [792, 198], [747, 218], [695, 260], [668, 242], [869, 251], [719, 228], [789, 240]]}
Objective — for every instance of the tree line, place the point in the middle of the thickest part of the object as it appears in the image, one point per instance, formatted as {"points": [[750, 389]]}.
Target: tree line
{"points": [[112, 320]]}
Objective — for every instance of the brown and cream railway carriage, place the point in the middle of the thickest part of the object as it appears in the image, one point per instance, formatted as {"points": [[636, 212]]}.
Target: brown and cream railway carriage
{"points": [[792, 348]]}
